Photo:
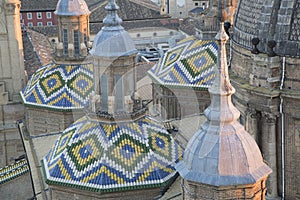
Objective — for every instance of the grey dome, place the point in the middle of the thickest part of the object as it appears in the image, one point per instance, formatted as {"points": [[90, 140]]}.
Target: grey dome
{"points": [[72, 8], [113, 43], [269, 20], [112, 40]]}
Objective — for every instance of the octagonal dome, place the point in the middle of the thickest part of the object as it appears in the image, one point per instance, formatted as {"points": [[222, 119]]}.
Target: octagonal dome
{"points": [[107, 157], [72, 8], [113, 42]]}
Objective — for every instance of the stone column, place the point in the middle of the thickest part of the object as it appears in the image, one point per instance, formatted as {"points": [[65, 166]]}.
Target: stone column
{"points": [[269, 151]]}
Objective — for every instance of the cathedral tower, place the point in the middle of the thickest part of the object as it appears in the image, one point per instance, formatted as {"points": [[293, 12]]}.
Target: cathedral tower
{"points": [[73, 28], [57, 93], [222, 160], [12, 79], [114, 55]]}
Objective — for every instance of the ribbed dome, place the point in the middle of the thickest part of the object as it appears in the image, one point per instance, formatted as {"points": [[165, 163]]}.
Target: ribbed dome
{"points": [[222, 153], [72, 8], [112, 40], [269, 20], [113, 43]]}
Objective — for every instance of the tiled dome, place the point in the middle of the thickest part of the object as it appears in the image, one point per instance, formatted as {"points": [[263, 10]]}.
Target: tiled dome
{"points": [[59, 87], [189, 64], [107, 157]]}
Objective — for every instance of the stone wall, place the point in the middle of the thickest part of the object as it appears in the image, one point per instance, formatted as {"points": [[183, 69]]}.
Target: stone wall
{"points": [[12, 79], [196, 191], [64, 193], [42, 121], [176, 103], [257, 79]]}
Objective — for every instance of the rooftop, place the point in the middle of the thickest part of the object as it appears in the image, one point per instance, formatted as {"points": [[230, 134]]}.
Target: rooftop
{"points": [[59, 87], [189, 64], [106, 157], [13, 171]]}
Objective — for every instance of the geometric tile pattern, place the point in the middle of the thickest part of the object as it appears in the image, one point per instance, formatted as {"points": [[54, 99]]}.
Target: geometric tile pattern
{"points": [[189, 64], [13, 171], [106, 157], [59, 86]]}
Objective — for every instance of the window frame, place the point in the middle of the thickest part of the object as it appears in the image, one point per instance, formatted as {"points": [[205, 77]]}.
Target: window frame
{"points": [[48, 15], [29, 15], [39, 15]]}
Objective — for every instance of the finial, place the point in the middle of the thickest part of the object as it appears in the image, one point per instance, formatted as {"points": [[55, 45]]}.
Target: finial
{"points": [[222, 83], [112, 18]]}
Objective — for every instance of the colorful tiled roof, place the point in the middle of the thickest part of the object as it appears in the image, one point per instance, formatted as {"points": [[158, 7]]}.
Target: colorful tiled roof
{"points": [[13, 171], [189, 64], [59, 86], [107, 157]]}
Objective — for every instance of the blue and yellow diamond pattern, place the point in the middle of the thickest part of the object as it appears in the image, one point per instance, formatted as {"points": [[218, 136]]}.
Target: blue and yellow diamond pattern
{"points": [[59, 86], [189, 64], [102, 156]]}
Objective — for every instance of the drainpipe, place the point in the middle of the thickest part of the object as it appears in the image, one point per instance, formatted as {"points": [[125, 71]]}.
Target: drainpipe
{"points": [[282, 126]]}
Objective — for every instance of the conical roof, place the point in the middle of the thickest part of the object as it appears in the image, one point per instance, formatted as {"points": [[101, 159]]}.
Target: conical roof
{"points": [[72, 8], [222, 153], [112, 40], [107, 157]]}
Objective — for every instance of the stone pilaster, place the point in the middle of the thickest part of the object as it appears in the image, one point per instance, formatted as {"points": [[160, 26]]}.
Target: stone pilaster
{"points": [[252, 126], [269, 151]]}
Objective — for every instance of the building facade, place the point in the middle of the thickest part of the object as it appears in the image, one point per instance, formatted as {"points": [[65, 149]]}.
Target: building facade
{"points": [[181, 8], [38, 13], [265, 71]]}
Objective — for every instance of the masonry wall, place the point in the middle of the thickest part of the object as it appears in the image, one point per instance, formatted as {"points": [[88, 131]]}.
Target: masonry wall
{"points": [[176, 103], [196, 191], [257, 79], [64, 193], [11, 79], [42, 121]]}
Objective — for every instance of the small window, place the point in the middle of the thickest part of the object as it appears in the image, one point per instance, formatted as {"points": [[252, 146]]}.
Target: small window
{"points": [[154, 34], [48, 15], [39, 15], [30, 24], [65, 41], [49, 23], [40, 24], [196, 4], [138, 35], [29, 15], [76, 42]]}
